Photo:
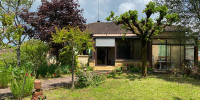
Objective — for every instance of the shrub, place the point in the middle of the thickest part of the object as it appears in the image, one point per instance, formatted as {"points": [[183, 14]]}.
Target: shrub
{"points": [[118, 69], [83, 79], [17, 86], [42, 70], [89, 79], [17, 83], [8, 58], [97, 79], [64, 69], [5, 77], [112, 74], [52, 69], [135, 69], [149, 69], [89, 68], [34, 51], [48, 71], [193, 72]]}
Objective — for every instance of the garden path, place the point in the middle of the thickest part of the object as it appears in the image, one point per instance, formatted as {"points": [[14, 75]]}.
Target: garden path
{"points": [[46, 85]]}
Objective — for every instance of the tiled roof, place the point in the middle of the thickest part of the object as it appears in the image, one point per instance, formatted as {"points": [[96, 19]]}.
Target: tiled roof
{"points": [[112, 28], [105, 28]]}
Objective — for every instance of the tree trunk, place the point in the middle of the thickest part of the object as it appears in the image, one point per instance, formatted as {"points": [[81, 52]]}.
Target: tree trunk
{"points": [[72, 68], [144, 58], [18, 56]]}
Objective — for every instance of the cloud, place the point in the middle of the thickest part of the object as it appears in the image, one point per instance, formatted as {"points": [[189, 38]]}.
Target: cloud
{"points": [[123, 7], [105, 7]]}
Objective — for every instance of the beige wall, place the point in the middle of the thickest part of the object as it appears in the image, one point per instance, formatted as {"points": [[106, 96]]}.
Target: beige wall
{"points": [[50, 59], [155, 51], [82, 60], [120, 63], [92, 63]]}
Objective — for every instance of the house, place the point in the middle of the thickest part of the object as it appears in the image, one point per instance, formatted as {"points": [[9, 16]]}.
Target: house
{"points": [[165, 51]]}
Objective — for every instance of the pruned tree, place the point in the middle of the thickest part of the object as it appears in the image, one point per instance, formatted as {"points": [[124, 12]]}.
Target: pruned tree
{"points": [[53, 13], [75, 41], [12, 26], [146, 27]]}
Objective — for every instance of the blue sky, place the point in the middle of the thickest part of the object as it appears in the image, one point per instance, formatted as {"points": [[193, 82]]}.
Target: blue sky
{"points": [[105, 7]]}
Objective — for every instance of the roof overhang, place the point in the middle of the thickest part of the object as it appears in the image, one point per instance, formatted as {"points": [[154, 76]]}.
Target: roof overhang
{"points": [[114, 35]]}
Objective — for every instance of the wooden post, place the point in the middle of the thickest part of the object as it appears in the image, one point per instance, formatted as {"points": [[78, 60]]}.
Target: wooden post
{"points": [[150, 55], [196, 55], [166, 53]]}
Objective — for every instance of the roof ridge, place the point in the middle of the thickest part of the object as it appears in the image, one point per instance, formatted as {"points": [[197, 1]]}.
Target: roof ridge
{"points": [[99, 22]]}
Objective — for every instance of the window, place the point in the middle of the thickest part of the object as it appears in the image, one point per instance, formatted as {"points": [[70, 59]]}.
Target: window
{"points": [[128, 49], [162, 50], [123, 49]]}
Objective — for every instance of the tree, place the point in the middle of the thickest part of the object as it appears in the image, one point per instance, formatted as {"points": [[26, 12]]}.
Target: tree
{"points": [[34, 51], [146, 27], [12, 32], [53, 13], [75, 41], [2, 44], [188, 11], [12, 27], [189, 14]]}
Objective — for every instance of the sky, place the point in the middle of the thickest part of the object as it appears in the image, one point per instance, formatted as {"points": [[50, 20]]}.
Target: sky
{"points": [[105, 7]]}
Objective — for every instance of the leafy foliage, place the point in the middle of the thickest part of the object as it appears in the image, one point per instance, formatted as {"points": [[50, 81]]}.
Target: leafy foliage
{"points": [[16, 87], [5, 76], [75, 42], [51, 13], [188, 12], [45, 70], [17, 81], [34, 51], [85, 79], [12, 27], [135, 69], [65, 69], [8, 58]]}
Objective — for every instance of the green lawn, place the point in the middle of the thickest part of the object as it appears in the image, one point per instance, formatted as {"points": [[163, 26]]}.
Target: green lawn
{"points": [[132, 87]]}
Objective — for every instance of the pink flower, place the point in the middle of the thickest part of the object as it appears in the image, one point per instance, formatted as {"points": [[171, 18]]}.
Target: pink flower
{"points": [[27, 75], [70, 70], [107, 72], [98, 74], [55, 74]]}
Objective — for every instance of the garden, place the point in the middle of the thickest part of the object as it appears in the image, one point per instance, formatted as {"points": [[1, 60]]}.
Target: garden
{"points": [[44, 45]]}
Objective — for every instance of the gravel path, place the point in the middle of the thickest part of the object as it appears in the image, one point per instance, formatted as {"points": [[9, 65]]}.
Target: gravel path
{"points": [[46, 85]]}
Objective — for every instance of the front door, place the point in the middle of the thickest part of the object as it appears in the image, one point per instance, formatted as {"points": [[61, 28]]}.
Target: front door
{"points": [[105, 56]]}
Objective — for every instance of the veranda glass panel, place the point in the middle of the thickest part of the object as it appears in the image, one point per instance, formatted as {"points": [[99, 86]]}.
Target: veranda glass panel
{"points": [[189, 56], [177, 56]]}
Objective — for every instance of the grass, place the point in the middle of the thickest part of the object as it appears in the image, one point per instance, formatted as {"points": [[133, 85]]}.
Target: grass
{"points": [[132, 87]]}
